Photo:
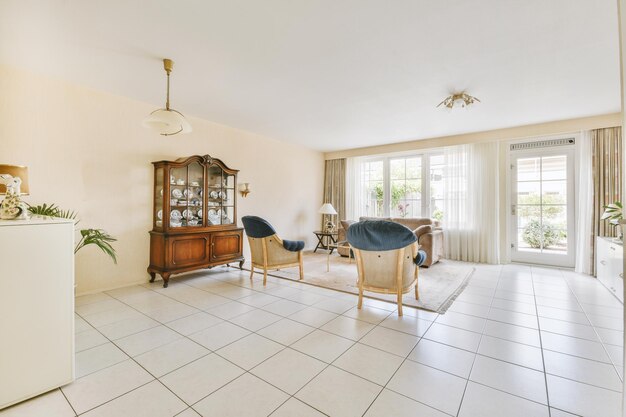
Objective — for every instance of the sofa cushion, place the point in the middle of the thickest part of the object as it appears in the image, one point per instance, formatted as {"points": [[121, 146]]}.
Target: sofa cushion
{"points": [[412, 222], [346, 223], [293, 245], [421, 230], [363, 218]]}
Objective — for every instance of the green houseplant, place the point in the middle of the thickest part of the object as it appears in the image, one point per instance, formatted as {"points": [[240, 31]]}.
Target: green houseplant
{"points": [[613, 213], [97, 237]]}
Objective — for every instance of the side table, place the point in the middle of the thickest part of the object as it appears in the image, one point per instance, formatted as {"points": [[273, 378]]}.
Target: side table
{"points": [[325, 240]]}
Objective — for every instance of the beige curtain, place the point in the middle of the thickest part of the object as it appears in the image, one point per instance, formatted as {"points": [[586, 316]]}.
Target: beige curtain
{"points": [[335, 189], [606, 154]]}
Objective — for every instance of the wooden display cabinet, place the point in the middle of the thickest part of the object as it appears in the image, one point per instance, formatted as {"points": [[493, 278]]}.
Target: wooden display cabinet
{"points": [[194, 217]]}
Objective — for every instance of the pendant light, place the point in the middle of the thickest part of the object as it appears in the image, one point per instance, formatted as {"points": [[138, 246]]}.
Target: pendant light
{"points": [[167, 121]]}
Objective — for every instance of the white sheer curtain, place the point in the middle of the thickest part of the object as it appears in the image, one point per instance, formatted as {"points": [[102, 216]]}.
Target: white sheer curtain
{"points": [[471, 203], [353, 188], [584, 206]]}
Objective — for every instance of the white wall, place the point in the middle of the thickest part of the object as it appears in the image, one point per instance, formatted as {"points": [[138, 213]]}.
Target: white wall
{"points": [[87, 151]]}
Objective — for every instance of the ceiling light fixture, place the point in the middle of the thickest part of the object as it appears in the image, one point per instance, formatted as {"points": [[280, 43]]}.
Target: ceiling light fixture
{"points": [[458, 100], [167, 121]]}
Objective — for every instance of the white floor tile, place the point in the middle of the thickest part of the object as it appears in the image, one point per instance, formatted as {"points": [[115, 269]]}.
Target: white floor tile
{"points": [[519, 307], [91, 298], [574, 346], [150, 400], [313, 316], [194, 323], [289, 370], [389, 404], [453, 336], [443, 357], [245, 396], [371, 315], [171, 356], [582, 370], [88, 339], [284, 307], [517, 353], [102, 386], [286, 331], [258, 300], [250, 351], [462, 321], [97, 358], [391, 341], [255, 320], [296, 408], [336, 306], [198, 379], [218, 336], [514, 379], [51, 404], [407, 324], [112, 316], [511, 317], [338, 393], [347, 327], [430, 386], [568, 329], [482, 401], [230, 310], [513, 333], [470, 309], [370, 363], [583, 399], [323, 345], [560, 413], [611, 337], [147, 340], [125, 328], [565, 315]]}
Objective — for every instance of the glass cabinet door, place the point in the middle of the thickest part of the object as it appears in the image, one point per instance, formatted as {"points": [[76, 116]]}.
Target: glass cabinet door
{"points": [[178, 201], [192, 214], [228, 200], [158, 197]]}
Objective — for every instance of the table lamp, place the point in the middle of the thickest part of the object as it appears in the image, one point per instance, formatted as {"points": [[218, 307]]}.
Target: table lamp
{"points": [[13, 184], [328, 209]]}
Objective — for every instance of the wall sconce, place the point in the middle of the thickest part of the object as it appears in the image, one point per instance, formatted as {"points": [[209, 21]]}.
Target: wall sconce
{"points": [[13, 184], [244, 189]]}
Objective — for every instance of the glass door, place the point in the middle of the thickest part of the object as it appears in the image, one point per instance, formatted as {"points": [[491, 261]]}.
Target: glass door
{"points": [[542, 207]]}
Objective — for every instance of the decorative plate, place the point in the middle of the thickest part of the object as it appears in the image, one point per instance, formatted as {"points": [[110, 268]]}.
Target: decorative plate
{"points": [[187, 214], [200, 213], [176, 193], [213, 194], [212, 213], [172, 179], [195, 202], [187, 192], [160, 214], [175, 214], [199, 193]]}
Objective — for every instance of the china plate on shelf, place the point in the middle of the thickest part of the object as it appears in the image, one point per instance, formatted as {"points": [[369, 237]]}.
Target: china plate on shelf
{"points": [[160, 214], [213, 194], [188, 214], [200, 213], [176, 193], [175, 215], [212, 213]]}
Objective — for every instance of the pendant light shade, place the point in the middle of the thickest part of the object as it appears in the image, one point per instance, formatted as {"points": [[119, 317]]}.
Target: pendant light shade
{"points": [[167, 121]]}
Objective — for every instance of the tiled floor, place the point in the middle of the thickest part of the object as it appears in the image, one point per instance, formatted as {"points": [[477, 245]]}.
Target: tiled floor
{"points": [[519, 341]]}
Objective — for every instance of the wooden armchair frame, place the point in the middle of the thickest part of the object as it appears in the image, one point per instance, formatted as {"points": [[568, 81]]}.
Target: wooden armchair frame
{"points": [[283, 257]]}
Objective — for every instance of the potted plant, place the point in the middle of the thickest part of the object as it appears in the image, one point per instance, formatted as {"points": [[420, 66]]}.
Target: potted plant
{"points": [[613, 213]]}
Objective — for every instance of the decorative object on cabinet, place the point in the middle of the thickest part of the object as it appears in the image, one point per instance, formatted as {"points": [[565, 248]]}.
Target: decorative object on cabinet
{"points": [[97, 237], [244, 189], [167, 121], [613, 213], [268, 251], [190, 241], [13, 184], [609, 265], [328, 209]]}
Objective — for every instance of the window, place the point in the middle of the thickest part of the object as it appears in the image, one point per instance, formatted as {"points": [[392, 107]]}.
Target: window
{"points": [[407, 186]]}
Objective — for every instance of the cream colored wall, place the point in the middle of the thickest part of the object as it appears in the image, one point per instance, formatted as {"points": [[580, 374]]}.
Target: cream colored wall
{"points": [[87, 151]]}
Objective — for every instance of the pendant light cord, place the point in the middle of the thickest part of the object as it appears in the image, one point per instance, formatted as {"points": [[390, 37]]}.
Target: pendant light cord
{"points": [[167, 100]]}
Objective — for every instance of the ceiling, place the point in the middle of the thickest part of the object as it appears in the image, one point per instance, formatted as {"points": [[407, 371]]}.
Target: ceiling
{"points": [[332, 74]]}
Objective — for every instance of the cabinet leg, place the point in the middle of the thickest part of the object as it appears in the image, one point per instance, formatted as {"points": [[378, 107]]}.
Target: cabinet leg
{"points": [[166, 279], [241, 263], [152, 276]]}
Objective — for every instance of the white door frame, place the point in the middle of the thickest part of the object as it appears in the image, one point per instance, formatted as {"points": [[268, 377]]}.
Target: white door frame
{"points": [[568, 260]]}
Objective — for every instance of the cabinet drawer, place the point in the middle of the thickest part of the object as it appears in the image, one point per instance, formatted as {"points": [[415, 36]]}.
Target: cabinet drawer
{"points": [[188, 250], [225, 245]]}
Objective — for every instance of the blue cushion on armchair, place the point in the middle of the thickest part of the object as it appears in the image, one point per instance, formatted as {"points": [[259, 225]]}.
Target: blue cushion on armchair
{"points": [[257, 227], [420, 258], [379, 235], [293, 245]]}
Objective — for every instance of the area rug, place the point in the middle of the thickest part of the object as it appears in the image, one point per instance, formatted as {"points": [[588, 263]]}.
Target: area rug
{"points": [[439, 285]]}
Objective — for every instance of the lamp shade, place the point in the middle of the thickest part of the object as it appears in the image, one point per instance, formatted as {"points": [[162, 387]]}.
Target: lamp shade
{"points": [[15, 171], [167, 122], [327, 209]]}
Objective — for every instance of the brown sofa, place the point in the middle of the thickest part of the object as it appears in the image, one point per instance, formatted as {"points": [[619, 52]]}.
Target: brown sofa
{"points": [[428, 232]]}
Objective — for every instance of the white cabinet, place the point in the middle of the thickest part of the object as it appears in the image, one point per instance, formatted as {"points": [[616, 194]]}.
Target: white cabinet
{"points": [[609, 265], [36, 307]]}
